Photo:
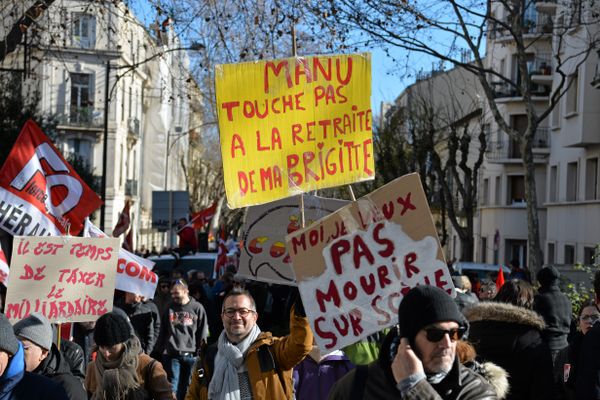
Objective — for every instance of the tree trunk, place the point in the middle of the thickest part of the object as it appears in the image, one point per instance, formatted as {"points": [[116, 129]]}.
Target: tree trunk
{"points": [[534, 250]]}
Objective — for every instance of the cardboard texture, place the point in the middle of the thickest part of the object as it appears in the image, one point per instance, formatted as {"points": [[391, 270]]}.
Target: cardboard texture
{"points": [[264, 256], [354, 266], [68, 279]]}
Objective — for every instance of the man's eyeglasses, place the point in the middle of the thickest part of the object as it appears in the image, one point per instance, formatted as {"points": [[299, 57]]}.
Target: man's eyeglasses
{"points": [[434, 335], [243, 312], [592, 318]]}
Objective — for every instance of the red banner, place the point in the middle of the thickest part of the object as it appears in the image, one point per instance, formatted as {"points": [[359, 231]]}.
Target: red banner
{"points": [[201, 218], [40, 193]]}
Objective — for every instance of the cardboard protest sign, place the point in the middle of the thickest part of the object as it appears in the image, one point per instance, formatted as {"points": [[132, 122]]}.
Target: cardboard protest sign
{"points": [[134, 274], [264, 256], [67, 279], [354, 266], [40, 193], [292, 125]]}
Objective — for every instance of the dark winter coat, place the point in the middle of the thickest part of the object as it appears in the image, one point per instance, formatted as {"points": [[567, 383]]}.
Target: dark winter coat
{"points": [[74, 355], [85, 339], [144, 319], [314, 379], [555, 308], [56, 367], [460, 383], [511, 337], [18, 384], [566, 367], [587, 382]]}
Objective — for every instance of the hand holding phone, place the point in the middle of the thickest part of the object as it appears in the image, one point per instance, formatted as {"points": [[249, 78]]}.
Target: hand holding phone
{"points": [[405, 362]]}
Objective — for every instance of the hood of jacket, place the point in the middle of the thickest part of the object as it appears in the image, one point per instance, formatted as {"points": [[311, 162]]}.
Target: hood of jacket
{"points": [[13, 373], [504, 312], [496, 376], [548, 276]]}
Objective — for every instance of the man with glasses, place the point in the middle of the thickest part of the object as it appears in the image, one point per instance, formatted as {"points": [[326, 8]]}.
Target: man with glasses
{"points": [[184, 328], [418, 359], [246, 363]]}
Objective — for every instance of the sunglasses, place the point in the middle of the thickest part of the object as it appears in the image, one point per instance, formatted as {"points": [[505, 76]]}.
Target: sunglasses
{"points": [[434, 335]]}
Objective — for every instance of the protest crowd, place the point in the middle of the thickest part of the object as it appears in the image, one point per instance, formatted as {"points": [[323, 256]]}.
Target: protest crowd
{"points": [[232, 338], [337, 300]]}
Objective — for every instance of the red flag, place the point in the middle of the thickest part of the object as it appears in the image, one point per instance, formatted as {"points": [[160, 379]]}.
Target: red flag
{"points": [[221, 260], [128, 243], [500, 278], [201, 218], [40, 193], [3, 268], [123, 222]]}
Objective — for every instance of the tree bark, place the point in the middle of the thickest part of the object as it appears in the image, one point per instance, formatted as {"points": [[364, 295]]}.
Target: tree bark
{"points": [[15, 35]]}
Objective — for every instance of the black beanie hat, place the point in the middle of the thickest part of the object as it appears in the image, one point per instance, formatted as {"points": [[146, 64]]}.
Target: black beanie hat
{"points": [[425, 305], [8, 340], [111, 328]]}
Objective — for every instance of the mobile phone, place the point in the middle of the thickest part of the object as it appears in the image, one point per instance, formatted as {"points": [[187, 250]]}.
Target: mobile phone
{"points": [[395, 343]]}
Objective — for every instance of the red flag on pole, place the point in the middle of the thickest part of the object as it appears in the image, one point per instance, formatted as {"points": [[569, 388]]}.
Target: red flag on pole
{"points": [[123, 222], [500, 278], [41, 190], [201, 218]]}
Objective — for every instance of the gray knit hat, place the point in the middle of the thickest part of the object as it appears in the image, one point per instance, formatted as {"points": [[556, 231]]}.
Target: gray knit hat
{"points": [[8, 341], [35, 328]]}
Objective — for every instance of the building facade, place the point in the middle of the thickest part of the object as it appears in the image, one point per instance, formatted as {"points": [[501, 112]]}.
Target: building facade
{"points": [[104, 76], [566, 145]]}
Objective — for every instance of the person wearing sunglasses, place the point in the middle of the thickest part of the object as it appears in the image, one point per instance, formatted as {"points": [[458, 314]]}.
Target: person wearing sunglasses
{"points": [[418, 360], [246, 363]]}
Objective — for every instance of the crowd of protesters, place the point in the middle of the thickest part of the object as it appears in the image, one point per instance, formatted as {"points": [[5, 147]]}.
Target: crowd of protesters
{"points": [[225, 338]]}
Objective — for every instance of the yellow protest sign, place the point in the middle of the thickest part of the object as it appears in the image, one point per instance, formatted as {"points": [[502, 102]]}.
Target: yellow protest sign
{"points": [[293, 125]]}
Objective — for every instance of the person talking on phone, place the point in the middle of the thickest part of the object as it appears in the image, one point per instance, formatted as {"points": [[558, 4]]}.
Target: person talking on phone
{"points": [[418, 360]]}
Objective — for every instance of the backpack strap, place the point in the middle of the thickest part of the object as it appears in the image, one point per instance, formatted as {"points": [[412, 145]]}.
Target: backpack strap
{"points": [[205, 363], [359, 383], [267, 363]]}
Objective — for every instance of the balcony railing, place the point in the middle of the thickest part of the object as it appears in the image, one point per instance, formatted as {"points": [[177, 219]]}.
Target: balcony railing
{"points": [[543, 24], [131, 187], [85, 117], [504, 89], [509, 149], [541, 65]]}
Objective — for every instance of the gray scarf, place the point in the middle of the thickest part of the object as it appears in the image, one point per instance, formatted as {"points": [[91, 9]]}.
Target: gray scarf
{"points": [[118, 380], [224, 384]]}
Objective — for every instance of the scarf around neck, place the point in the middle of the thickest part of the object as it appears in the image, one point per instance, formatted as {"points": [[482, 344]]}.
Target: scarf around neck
{"points": [[224, 384], [118, 379]]}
